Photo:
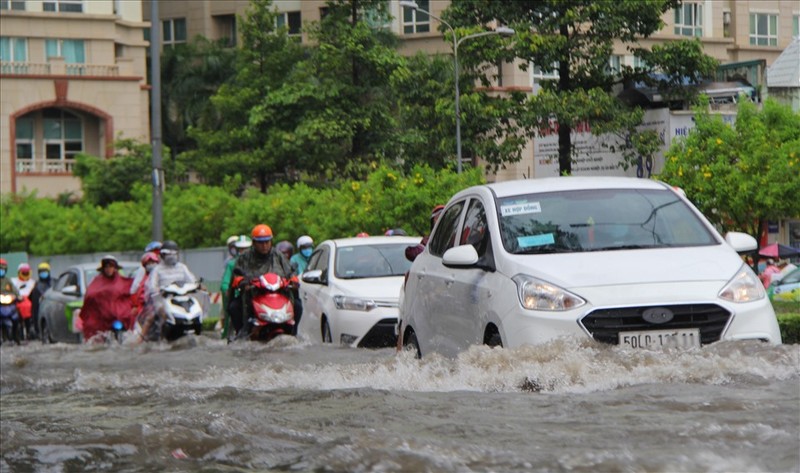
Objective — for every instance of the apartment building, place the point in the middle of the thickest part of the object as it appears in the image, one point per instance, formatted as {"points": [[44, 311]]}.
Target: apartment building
{"points": [[73, 72], [745, 36], [72, 80]]}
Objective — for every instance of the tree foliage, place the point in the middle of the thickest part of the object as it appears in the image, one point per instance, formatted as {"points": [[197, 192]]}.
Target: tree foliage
{"points": [[104, 181], [576, 39], [742, 176], [190, 74], [204, 216]]}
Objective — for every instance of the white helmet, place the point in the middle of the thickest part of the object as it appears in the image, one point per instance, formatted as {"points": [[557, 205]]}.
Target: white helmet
{"points": [[304, 240]]}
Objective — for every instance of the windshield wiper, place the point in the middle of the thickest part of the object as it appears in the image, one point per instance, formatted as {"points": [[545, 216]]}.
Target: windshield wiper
{"points": [[621, 247]]}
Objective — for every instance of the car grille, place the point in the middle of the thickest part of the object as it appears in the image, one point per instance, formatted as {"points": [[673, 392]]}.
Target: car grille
{"points": [[606, 324]]}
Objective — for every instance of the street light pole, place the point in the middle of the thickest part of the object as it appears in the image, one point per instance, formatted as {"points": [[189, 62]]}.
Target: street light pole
{"points": [[502, 30]]}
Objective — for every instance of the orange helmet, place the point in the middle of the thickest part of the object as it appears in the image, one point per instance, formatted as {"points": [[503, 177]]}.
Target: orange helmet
{"points": [[262, 232]]}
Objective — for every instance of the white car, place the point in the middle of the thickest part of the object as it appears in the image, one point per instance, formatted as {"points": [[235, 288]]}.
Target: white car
{"points": [[350, 291], [621, 260]]}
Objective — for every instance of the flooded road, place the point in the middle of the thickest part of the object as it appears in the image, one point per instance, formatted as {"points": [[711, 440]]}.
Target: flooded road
{"points": [[571, 406]]}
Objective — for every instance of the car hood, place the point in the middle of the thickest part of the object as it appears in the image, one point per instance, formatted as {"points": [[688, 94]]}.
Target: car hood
{"points": [[387, 288], [622, 267]]}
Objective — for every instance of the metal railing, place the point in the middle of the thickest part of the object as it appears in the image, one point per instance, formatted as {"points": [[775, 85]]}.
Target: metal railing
{"points": [[33, 68], [48, 166]]}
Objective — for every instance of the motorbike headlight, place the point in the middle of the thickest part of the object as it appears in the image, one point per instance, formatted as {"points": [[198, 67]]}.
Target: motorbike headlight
{"points": [[6, 298], [535, 294], [743, 287], [353, 303]]}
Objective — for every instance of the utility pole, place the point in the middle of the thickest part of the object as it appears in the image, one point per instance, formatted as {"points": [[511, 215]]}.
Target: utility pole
{"points": [[155, 122]]}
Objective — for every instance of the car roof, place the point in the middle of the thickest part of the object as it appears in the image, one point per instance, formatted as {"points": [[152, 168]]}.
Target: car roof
{"points": [[374, 240], [566, 183]]}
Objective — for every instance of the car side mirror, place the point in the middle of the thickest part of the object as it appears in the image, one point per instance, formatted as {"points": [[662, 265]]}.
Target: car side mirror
{"points": [[71, 291], [460, 256], [741, 242], [313, 277]]}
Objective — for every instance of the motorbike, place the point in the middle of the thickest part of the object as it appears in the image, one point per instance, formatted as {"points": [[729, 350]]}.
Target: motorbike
{"points": [[271, 310], [183, 311], [10, 322]]}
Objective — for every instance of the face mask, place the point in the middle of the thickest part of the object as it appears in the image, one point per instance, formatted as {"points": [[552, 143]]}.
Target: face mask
{"points": [[233, 251], [170, 260], [2, 273], [149, 267], [306, 252], [44, 274]]}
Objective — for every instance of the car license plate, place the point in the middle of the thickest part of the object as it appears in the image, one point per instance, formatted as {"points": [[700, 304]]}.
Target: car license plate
{"points": [[678, 338]]}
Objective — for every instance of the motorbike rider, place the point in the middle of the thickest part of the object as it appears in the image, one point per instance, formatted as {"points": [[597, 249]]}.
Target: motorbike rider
{"points": [[139, 275], [7, 286], [168, 271], [107, 300], [413, 251], [243, 242], [259, 259], [232, 252], [142, 304], [299, 261], [43, 283], [25, 286]]}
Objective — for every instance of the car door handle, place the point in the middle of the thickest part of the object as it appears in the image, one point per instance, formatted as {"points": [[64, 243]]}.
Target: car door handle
{"points": [[450, 282]]}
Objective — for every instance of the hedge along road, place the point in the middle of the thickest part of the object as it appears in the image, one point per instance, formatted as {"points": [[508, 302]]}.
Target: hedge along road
{"points": [[572, 405]]}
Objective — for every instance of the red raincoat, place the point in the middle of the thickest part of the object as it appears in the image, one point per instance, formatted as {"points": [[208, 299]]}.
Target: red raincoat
{"points": [[106, 300]]}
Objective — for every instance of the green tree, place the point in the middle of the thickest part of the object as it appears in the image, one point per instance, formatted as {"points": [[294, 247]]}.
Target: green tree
{"points": [[742, 176], [190, 74], [245, 141], [104, 181], [576, 39]]}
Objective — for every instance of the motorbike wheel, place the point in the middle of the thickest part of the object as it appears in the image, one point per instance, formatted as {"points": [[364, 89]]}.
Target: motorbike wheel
{"points": [[198, 328], [45, 331], [326, 332]]}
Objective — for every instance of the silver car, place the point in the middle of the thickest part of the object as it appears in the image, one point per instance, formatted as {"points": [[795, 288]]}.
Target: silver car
{"points": [[59, 305]]}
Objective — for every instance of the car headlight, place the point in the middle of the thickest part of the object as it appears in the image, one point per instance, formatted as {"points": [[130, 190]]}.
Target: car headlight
{"points": [[535, 294], [743, 287], [353, 303]]}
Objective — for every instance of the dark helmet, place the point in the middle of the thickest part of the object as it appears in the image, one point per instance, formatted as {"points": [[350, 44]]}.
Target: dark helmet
{"points": [[169, 245]]}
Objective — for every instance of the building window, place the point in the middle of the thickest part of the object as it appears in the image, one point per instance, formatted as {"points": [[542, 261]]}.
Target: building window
{"points": [[614, 64], [174, 32], [290, 20], [63, 139], [639, 63], [689, 19], [72, 50], [763, 29], [415, 21], [12, 5], [70, 6], [796, 26], [226, 28], [540, 75], [13, 55], [378, 18], [25, 141]]}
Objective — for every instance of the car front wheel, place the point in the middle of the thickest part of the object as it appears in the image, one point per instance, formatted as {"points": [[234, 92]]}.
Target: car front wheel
{"points": [[410, 343]]}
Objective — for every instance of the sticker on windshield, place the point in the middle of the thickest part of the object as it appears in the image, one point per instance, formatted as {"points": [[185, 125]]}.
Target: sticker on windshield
{"points": [[536, 240], [520, 209]]}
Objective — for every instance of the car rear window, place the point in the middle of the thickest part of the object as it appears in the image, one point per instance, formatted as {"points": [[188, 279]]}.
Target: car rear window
{"points": [[599, 220], [371, 261]]}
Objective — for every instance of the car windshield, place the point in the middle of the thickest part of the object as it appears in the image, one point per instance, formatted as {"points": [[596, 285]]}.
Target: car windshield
{"points": [[371, 261], [598, 220]]}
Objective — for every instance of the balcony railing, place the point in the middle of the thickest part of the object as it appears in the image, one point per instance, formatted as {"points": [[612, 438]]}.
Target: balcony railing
{"points": [[47, 166], [58, 68]]}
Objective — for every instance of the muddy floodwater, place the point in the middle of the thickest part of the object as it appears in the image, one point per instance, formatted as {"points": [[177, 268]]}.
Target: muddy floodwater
{"points": [[568, 406]]}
